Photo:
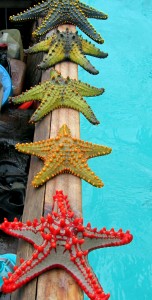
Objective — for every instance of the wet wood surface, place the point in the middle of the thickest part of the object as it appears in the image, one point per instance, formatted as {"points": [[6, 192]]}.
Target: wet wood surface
{"points": [[55, 284]]}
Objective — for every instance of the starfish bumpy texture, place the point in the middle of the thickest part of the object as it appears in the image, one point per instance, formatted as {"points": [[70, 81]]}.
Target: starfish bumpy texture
{"points": [[67, 45], [59, 12], [61, 241], [64, 154], [60, 92]]}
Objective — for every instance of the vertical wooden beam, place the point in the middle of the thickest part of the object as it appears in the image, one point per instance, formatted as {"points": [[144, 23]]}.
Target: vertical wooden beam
{"points": [[55, 284]]}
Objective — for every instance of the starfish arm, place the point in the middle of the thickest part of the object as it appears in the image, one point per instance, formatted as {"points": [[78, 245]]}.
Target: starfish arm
{"points": [[60, 198], [84, 172], [92, 150], [32, 13], [51, 168], [39, 149], [79, 58], [54, 75], [40, 262], [87, 90], [91, 12], [28, 270], [35, 93], [51, 101], [55, 55], [28, 232], [51, 21], [64, 131], [81, 271], [90, 49], [41, 46], [104, 238], [80, 20], [75, 101]]}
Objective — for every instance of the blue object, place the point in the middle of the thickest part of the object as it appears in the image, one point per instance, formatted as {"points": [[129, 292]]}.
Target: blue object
{"points": [[7, 263], [6, 83]]}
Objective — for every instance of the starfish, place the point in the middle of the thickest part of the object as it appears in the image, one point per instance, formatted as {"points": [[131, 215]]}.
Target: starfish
{"points": [[59, 12], [61, 240], [60, 92], [64, 154], [67, 45]]}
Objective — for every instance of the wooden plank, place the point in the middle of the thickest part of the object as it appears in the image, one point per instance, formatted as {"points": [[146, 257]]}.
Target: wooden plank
{"points": [[54, 284], [58, 284]]}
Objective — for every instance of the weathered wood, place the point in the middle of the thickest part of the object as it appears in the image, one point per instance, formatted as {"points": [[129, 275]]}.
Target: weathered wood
{"points": [[55, 284]]}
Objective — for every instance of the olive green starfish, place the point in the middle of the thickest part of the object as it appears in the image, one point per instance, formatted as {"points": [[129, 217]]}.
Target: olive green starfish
{"points": [[60, 92], [67, 45], [64, 154], [59, 12]]}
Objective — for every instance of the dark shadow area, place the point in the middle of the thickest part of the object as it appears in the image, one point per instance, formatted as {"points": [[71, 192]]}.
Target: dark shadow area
{"points": [[14, 166]]}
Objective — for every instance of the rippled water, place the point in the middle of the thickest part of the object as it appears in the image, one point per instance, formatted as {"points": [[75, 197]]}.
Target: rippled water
{"points": [[125, 113]]}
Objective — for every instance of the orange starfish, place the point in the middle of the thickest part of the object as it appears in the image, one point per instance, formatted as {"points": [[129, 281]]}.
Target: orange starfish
{"points": [[64, 154]]}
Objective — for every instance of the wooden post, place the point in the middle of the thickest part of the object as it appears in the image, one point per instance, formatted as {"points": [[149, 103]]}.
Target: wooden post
{"points": [[55, 284]]}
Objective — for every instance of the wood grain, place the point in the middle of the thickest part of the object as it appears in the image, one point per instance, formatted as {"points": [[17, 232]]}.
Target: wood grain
{"points": [[57, 284]]}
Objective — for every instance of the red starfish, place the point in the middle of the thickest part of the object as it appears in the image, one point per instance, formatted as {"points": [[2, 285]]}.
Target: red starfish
{"points": [[61, 240]]}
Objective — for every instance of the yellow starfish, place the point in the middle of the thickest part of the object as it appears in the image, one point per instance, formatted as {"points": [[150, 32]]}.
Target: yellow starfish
{"points": [[60, 92], [64, 154], [67, 46]]}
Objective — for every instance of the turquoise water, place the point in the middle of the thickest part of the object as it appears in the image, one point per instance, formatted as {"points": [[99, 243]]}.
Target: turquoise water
{"points": [[125, 113]]}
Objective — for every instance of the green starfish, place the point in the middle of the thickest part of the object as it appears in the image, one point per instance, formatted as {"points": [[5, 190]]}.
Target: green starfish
{"points": [[64, 154], [70, 46], [59, 12], [60, 92]]}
